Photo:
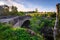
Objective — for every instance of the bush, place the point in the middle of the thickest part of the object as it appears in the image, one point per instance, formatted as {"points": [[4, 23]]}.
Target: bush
{"points": [[21, 13], [43, 25], [8, 33], [38, 22]]}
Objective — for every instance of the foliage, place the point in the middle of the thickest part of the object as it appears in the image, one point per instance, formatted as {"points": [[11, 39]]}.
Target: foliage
{"points": [[51, 14], [21, 13], [36, 10], [13, 10], [4, 10], [8, 33], [38, 22]]}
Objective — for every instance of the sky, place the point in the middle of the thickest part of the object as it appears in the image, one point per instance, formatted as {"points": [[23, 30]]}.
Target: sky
{"points": [[30, 5]]}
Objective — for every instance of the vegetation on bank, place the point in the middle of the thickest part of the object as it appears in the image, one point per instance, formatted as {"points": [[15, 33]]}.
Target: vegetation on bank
{"points": [[37, 22], [9, 33], [43, 25]]}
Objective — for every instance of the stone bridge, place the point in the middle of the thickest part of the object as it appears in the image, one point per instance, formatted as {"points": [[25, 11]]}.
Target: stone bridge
{"points": [[16, 21]]}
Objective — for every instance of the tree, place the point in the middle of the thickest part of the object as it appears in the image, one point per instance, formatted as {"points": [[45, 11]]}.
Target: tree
{"points": [[36, 10], [4, 10], [21, 13], [14, 10]]}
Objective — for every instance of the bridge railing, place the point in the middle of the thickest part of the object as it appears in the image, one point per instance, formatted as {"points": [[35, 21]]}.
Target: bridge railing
{"points": [[9, 20], [14, 20]]}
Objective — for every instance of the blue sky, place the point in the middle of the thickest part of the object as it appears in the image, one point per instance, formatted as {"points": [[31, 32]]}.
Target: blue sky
{"points": [[41, 5]]}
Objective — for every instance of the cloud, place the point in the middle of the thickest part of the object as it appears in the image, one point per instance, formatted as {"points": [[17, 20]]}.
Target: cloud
{"points": [[5, 0], [1, 3], [22, 7], [10, 3]]}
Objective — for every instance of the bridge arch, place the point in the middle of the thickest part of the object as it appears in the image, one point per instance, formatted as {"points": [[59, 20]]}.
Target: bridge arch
{"points": [[26, 24]]}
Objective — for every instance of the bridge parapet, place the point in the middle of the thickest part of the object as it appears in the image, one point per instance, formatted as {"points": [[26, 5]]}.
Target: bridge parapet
{"points": [[23, 20], [15, 21]]}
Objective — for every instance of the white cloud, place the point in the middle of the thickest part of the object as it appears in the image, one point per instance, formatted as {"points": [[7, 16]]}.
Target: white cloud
{"points": [[21, 7], [10, 3], [47, 9], [5, 0], [2, 3]]}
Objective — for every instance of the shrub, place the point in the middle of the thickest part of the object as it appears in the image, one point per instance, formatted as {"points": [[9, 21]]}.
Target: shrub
{"points": [[38, 22], [8, 33]]}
